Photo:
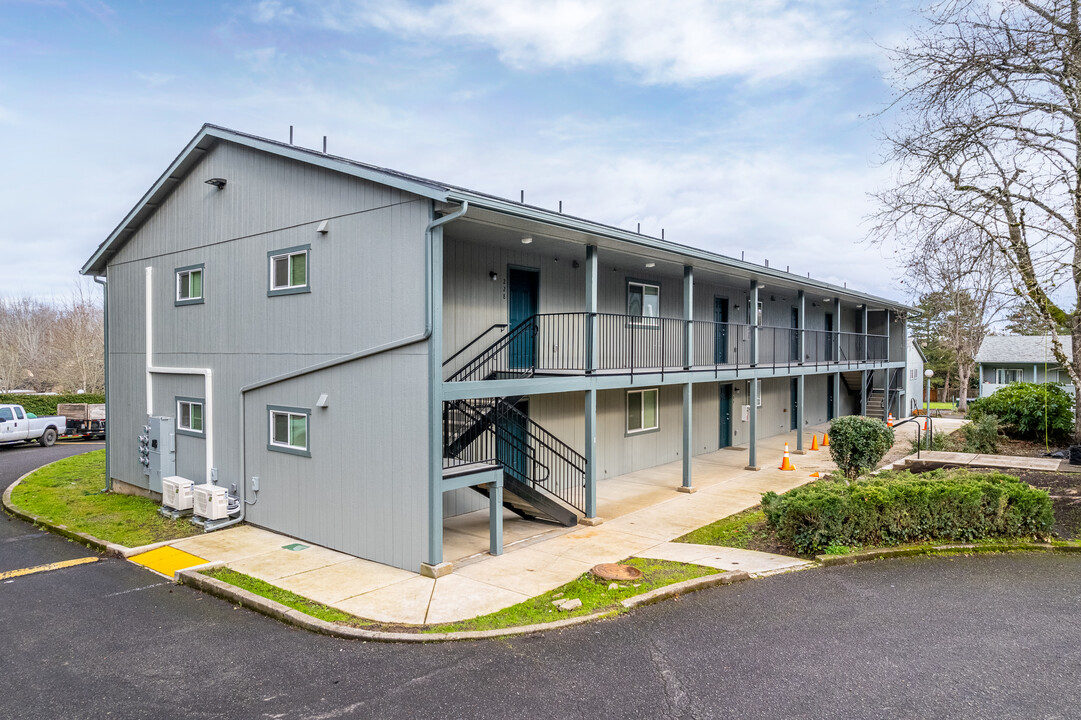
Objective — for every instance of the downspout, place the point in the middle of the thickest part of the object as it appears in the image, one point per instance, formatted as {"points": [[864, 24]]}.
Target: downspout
{"points": [[102, 280], [429, 304], [151, 370]]}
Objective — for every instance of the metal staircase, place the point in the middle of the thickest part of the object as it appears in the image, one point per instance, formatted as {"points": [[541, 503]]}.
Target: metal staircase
{"points": [[543, 477]]}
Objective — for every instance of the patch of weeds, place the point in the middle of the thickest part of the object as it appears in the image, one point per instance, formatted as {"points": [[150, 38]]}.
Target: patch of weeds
{"points": [[840, 549], [593, 592], [68, 493], [289, 599]]}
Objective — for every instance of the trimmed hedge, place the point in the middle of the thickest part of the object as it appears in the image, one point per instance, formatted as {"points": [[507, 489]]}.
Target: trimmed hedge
{"points": [[896, 508], [46, 404]]}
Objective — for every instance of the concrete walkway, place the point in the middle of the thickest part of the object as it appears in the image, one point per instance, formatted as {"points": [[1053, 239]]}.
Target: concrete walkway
{"points": [[642, 511]]}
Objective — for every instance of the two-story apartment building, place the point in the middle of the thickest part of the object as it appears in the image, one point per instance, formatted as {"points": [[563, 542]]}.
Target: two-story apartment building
{"points": [[355, 352]]}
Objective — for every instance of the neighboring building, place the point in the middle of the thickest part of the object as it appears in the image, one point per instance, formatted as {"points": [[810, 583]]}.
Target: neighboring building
{"points": [[365, 345], [914, 385], [1005, 359]]}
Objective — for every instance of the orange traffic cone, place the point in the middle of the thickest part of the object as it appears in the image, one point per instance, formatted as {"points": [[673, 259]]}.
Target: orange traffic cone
{"points": [[786, 464], [889, 421], [925, 426], [825, 439], [814, 475], [814, 441]]}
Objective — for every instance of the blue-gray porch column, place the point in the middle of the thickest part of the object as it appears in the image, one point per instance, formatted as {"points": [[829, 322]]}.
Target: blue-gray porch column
{"points": [[863, 391], [836, 339], [688, 361], [887, 371], [754, 322], [593, 352], [801, 308], [866, 349], [836, 380], [752, 444]]}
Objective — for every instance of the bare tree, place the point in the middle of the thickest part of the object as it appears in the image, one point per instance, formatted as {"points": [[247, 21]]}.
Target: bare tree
{"points": [[80, 341], [963, 284], [987, 147]]}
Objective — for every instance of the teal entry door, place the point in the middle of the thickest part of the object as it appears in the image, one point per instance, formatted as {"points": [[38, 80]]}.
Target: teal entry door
{"points": [[523, 289], [725, 420]]}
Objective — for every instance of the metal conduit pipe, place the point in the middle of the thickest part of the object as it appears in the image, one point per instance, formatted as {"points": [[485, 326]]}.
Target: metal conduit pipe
{"points": [[101, 280], [429, 312]]}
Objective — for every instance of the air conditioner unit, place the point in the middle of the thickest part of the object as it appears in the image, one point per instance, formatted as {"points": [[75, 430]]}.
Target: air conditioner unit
{"points": [[176, 492], [211, 502]]}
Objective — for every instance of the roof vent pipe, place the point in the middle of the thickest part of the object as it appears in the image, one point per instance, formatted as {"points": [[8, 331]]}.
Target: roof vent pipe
{"points": [[290, 134], [324, 144]]}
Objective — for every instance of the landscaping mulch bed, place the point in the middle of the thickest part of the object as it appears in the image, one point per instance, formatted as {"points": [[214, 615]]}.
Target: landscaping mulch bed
{"points": [[1023, 448], [1065, 492]]}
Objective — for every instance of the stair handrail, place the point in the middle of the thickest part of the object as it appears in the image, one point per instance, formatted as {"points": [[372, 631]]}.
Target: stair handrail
{"points": [[473, 342], [482, 358]]}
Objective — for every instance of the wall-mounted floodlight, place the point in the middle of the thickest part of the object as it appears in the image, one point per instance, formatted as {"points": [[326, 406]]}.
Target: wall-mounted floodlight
{"points": [[219, 183], [493, 276]]}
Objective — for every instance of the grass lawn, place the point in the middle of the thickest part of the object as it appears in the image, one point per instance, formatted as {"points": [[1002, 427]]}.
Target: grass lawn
{"points": [[735, 531], [68, 493], [289, 599], [594, 594]]}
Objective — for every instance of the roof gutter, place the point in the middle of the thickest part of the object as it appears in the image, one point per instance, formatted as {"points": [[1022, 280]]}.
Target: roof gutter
{"points": [[429, 314], [100, 280]]}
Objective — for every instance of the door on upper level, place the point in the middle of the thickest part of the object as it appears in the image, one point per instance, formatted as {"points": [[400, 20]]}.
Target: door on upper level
{"points": [[523, 290], [720, 333], [793, 342], [831, 340]]}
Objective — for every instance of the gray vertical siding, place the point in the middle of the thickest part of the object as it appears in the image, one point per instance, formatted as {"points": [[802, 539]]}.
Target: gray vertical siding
{"points": [[364, 490]]}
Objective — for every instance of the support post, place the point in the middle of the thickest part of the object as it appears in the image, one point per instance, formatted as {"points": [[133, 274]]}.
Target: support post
{"points": [[752, 445], [688, 317], [864, 377], [688, 440], [799, 413], [592, 350], [836, 380], [754, 325], [888, 348], [886, 397], [836, 330], [591, 457], [866, 349], [495, 510], [801, 309]]}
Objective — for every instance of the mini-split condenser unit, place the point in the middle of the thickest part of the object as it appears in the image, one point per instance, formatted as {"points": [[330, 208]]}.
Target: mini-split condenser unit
{"points": [[211, 502], [176, 492]]}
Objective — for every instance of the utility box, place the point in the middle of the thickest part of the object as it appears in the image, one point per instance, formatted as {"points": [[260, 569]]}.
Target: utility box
{"points": [[157, 450], [176, 492], [211, 502]]}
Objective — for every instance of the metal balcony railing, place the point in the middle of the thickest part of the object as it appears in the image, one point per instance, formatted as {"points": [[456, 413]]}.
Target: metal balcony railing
{"points": [[559, 344]]}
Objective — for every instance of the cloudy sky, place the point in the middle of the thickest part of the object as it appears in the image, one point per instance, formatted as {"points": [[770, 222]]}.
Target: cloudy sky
{"points": [[736, 125]]}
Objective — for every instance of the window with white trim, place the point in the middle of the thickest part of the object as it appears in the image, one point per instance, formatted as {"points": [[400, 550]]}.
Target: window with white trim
{"points": [[1005, 376], [642, 412], [289, 430], [189, 285], [644, 301], [189, 416], [289, 271]]}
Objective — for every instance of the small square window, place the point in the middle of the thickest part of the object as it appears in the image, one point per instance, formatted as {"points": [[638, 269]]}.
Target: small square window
{"points": [[289, 430], [189, 416], [643, 303], [642, 414], [288, 270], [189, 285]]}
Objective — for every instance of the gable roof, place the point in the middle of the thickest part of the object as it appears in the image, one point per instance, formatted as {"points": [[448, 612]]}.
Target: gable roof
{"points": [[1004, 349], [210, 135]]}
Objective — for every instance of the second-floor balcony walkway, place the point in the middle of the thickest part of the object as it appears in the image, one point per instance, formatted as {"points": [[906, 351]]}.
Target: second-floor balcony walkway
{"points": [[582, 343]]}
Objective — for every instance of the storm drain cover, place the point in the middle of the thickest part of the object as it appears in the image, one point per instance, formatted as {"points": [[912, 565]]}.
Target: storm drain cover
{"points": [[295, 546], [615, 571]]}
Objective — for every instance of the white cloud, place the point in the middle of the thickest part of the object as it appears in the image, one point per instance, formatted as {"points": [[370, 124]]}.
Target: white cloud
{"points": [[259, 59], [679, 41], [155, 79]]}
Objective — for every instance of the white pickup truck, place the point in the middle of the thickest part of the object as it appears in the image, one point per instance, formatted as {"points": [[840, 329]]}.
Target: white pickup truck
{"points": [[16, 427]]}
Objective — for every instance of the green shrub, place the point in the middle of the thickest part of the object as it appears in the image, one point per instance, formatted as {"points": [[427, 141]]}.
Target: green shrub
{"points": [[46, 404], [937, 442], [1019, 408], [981, 435], [858, 443], [895, 508]]}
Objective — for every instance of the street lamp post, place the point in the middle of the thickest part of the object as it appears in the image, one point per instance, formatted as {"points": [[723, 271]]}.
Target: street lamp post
{"points": [[928, 373]]}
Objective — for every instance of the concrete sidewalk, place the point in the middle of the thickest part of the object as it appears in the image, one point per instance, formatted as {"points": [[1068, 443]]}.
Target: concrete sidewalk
{"points": [[643, 513]]}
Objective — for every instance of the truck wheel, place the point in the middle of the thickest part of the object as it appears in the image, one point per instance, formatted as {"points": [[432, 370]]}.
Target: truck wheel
{"points": [[47, 438]]}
